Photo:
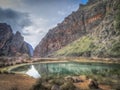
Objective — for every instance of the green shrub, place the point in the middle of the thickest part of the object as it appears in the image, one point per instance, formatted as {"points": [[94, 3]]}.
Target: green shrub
{"points": [[39, 86], [82, 46], [58, 81], [67, 86], [115, 49]]}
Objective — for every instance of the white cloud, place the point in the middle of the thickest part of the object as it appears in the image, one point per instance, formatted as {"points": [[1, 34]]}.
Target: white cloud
{"points": [[36, 31], [11, 4], [61, 12], [44, 15]]}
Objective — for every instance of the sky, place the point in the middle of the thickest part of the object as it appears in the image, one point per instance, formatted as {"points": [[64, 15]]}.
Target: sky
{"points": [[34, 18]]}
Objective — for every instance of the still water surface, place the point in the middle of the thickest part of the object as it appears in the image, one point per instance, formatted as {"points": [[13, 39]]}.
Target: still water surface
{"points": [[68, 68]]}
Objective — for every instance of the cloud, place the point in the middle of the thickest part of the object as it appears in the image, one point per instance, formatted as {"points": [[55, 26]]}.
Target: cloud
{"points": [[61, 12], [39, 16], [36, 31], [50, 8], [17, 20]]}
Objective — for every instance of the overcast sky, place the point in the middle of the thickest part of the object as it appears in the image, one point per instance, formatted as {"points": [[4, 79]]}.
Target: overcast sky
{"points": [[33, 18]]}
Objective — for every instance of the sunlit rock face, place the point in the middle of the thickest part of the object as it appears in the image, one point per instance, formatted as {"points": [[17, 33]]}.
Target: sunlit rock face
{"points": [[74, 26], [12, 44]]}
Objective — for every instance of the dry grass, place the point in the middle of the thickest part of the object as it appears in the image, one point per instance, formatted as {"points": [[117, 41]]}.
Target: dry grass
{"points": [[84, 86], [16, 82]]}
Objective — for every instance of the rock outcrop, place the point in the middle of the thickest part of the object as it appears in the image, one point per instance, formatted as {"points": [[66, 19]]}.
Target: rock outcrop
{"points": [[12, 44], [96, 18], [103, 41]]}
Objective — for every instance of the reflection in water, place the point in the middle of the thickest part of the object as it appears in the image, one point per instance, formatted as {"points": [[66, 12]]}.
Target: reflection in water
{"points": [[33, 72], [75, 68], [70, 68]]}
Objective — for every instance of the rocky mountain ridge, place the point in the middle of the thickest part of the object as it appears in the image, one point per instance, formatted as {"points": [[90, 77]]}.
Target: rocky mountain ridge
{"points": [[12, 44], [73, 27], [94, 20]]}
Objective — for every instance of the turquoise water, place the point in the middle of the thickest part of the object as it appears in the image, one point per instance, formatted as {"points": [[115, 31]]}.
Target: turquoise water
{"points": [[69, 68]]}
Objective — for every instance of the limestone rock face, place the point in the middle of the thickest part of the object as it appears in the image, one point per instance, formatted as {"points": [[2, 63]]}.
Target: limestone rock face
{"points": [[76, 25], [11, 44]]}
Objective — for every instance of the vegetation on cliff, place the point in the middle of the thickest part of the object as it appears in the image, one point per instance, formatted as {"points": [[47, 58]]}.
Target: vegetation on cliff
{"points": [[117, 17], [82, 46], [92, 31], [103, 41]]}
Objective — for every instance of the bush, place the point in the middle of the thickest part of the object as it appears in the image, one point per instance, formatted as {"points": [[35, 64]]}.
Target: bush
{"points": [[67, 86], [39, 86], [5, 72], [57, 81], [115, 50], [0, 72], [46, 83]]}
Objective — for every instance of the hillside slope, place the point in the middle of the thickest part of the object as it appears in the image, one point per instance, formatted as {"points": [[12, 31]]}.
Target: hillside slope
{"points": [[94, 28], [104, 41]]}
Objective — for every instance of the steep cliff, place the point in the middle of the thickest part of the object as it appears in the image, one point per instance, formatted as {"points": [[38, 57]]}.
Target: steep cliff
{"points": [[92, 24], [12, 44]]}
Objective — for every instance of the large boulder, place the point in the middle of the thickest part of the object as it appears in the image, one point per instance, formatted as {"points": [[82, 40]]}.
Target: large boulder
{"points": [[55, 87]]}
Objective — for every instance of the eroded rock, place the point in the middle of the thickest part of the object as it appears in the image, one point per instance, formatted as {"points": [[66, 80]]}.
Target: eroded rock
{"points": [[12, 44], [76, 25]]}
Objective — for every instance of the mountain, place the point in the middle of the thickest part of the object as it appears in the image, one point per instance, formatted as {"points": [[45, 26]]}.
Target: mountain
{"points": [[91, 31], [12, 44]]}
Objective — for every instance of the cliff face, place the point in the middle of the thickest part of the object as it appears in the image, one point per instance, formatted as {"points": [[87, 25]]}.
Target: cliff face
{"points": [[12, 44], [94, 20]]}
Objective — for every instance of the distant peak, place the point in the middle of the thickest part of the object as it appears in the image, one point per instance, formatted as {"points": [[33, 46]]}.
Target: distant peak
{"points": [[5, 27], [18, 33], [3, 24]]}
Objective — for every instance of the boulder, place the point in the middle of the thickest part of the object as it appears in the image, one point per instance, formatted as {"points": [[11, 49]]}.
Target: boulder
{"points": [[55, 87], [93, 84]]}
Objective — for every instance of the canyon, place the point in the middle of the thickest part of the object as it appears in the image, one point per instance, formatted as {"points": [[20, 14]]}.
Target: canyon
{"points": [[91, 31]]}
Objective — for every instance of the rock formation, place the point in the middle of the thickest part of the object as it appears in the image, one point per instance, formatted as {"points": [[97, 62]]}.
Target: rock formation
{"points": [[12, 44], [96, 18]]}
